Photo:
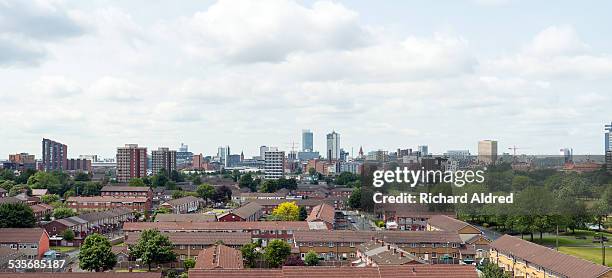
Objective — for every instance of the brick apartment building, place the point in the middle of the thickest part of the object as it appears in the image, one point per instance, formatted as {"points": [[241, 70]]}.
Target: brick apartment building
{"points": [[185, 204], [248, 212], [131, 162], [96, 203]]}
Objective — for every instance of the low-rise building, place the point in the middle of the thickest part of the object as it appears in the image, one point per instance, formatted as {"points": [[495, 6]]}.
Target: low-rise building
{"points": [[412, 271], [141, 204], [41, 211], [259, 230], [219, 256], [432, 247], [323, 213], [472, 237], [181, 205], [377, 253], [191, 217], [521, 258], [188, 245], [82, 225], [31, 242], [248, 212]]}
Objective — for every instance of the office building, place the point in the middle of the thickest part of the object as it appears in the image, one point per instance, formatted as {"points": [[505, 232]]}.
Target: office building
{"points": [[163, 158], [131, 162], [307, 141], [333, 146], [223, 155], [424, 150], [567, 154], [262, 151], [274, 167], [21, 162], [79, 165], [54, 155], [487, 151], [183, 157]]}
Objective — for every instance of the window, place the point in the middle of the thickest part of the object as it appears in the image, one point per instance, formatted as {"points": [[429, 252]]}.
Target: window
{"points": [[352, 255], [310, 244], [33, 246], [182, 246], [352, 244], [434, 254], [330, 244], [182, 257]]}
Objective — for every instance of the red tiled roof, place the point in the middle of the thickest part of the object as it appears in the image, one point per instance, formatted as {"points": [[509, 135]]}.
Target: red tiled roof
{"points": [[397, 237], [322, 212], [81, 275], [24, 235], [446, 223], [183, 200], [203, 238], [220, 226], [219, 256], [412, 271], [107, 199], [121, 188], [247, 210], [550, 259]]}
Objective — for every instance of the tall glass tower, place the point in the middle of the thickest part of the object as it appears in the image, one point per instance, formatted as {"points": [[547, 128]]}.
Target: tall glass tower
{"points": [[307, 145]]}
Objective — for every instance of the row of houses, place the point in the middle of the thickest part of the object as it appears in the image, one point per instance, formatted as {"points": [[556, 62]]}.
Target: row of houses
{"points": [[102, 222]]}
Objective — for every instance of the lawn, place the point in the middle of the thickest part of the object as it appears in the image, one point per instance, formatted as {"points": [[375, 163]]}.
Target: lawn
{"points": [[588, 253], [64, 249]]}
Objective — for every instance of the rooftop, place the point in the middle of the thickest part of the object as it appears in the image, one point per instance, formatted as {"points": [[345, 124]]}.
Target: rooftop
{"points": [[191, 217], [219, 226], [550, 259], [124, 188], [21, 235], [219, 256], [203, 238], [322, 212]]}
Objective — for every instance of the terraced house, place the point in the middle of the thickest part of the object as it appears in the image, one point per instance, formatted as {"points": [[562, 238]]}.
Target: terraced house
{"points": [[189, 245], [31, 243], [185, 204], [521, 258], [432, 247]]}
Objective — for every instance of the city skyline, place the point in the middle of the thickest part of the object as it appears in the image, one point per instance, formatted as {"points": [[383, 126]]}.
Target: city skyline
{"points": [[384, 76]]}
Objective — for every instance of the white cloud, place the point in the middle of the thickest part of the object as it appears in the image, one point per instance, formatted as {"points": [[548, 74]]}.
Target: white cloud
{"points": [[116, 89], [56, 86], [268, 30]]}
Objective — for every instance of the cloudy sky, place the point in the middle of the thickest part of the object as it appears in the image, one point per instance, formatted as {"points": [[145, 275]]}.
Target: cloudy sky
{"points": [[384, 74]]}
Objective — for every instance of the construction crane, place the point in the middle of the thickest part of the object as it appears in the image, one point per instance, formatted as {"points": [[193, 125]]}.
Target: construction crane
{"points": [[514, 148]]}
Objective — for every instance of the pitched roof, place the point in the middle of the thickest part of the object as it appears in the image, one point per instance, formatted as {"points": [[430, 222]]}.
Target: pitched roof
{"points": [[40, 192], [183, 200], [322, 212], [397, 237], [190, 217], [124, 188], [203, 238], [40, 207], [550, 259], [413, 271], [10, 200], [107, 199], [299, 202], [219, 256], [81, 275], [218, 226], [387, 254], [21, 235], [247, 210], [447, 223]]}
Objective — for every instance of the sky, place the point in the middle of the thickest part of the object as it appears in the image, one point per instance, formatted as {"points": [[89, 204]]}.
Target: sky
{"points": [[96, 75]]}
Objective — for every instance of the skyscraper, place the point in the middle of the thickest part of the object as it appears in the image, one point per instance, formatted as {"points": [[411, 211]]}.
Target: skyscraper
{"points": [[183, 157], [163, 158], [274, 167], [223, 153], [131, 162], [608, 138], [424, 150], [487, 151], [54, 155], [307, 141], [333, 146], [567, 154]]}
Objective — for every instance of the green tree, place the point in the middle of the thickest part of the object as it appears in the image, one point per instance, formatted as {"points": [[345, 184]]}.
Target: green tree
{"points": [[7, 175], [176, 176], [68, 234], [312, 172], [178, 194], [286, 211], [311, 258], [24, 176], [49, 198], [136, 182], [20, 188], [91, 189], [82, 176], [96, 254], [355, 199], [491, 270], [7, 184], [247, 181], [189, 263], [153, 247], [268, 186], [249, 254], [222, 194], [63, 212], [277, 252], [346, 178], [16, 215], [159, 179], [303, 214], [205, 191]]}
